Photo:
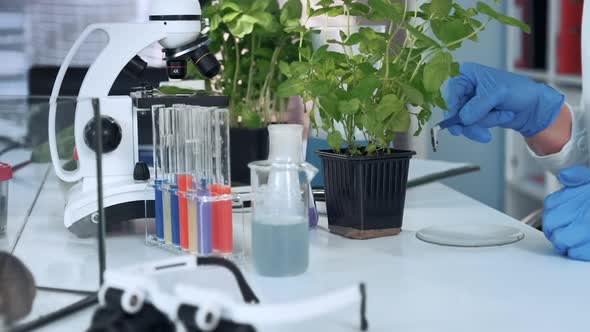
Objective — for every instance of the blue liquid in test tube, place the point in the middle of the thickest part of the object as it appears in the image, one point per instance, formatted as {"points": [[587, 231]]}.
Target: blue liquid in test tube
{"points": [[175, 215], [205, 215], [159, 211]]}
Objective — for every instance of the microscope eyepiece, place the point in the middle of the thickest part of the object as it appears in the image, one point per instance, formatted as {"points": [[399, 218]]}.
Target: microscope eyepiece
{"points": [[198, 52]]}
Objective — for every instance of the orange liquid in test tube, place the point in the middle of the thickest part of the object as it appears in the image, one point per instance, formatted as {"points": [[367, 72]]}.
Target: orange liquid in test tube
{"points": [[222, 220], [184, 184]]}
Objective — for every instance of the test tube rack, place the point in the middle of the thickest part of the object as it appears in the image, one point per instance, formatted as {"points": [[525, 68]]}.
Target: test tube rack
{"points": [[194, 205]]}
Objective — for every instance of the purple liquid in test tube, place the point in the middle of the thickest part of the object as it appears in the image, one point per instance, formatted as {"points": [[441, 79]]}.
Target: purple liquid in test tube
{"points": [[205, 214], [159, 211], [175, 216]]}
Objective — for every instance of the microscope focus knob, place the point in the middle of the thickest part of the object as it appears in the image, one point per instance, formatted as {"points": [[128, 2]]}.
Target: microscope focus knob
{"points": [[141, 172], [111, 134]]}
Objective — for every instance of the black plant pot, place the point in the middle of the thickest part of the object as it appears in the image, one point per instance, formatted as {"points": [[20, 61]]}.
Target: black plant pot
{"points": [[365, 196], [246, 145]]}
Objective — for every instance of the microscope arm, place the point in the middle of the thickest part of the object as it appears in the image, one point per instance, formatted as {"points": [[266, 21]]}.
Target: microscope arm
{"points": [[125, 40]]}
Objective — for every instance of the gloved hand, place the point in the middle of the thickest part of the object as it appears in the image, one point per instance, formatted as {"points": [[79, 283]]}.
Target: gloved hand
{"points": [[487, 97], [566, 220]]}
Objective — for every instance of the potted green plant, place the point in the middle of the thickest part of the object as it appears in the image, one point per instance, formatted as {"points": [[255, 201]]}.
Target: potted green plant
{"points": [[371, 85], [254, 40]]}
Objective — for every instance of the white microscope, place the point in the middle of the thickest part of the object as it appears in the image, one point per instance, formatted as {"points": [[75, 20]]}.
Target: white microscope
{"points": [[176, 26]]}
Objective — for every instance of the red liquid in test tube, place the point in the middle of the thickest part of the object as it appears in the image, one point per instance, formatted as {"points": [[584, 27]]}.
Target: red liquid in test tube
{"points": [[184, 184], [222, 220]]}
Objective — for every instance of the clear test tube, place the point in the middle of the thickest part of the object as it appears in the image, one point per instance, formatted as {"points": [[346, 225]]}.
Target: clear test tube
{"points": [[183, 176], [159, 167], [167, 143], [205, 171], [191, 166], [172, 179], [221, 186]]}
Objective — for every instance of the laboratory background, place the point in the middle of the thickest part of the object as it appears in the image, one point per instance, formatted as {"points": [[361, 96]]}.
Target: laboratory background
{"points": [[211, 134]]}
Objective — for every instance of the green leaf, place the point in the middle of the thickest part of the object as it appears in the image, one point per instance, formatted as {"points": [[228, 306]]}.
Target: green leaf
{"points": [[401, 122], [415, 97], [486, 9], [367, 68], [440, 101], [319, 88], [175, 90], [290, 88], [251, 119], [285, 69], [350, 107], [242, 26], [214, 22], [371, 148], [366, 88], [230, 5], [291, 11], [230, 17], [329, 104], [437, 71], [266, 20], [259, 5], [440, 8], [335, 140], [353, 39], [335, 11], [359, 9], [389, 105], [384, 10], [320, 54], [427, 40], [372, 42], [450, 31], [306, 52], [330, 11], [299, 68], [325, 3]]}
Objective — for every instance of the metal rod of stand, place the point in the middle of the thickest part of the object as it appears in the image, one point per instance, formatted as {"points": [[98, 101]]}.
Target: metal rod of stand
{"points": [[101, 222]]}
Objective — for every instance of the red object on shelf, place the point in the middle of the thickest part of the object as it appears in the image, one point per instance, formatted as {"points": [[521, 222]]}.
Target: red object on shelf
{"points": [[569, 49]]}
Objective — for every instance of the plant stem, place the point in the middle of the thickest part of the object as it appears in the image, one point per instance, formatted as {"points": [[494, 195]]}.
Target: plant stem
{"points": [[413, 40], [266, 87], [237, 69], [392, 36], [251, 71]]}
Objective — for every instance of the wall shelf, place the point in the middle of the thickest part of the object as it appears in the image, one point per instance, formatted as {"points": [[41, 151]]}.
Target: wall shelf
{"points": [[535, 74], [522, 194], [573, 80]]}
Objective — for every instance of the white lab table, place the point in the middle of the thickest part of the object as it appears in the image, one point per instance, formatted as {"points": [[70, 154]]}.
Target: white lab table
{"points": [[412, 285]]}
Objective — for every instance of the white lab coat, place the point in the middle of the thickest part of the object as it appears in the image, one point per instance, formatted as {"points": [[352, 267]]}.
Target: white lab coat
{"points": [[575, 152]]}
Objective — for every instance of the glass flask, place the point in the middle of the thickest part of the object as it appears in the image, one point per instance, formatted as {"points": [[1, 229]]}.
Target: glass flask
{"points": [[280, 229]]}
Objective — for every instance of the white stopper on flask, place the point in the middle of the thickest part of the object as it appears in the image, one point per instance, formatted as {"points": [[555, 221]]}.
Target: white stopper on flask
{"points": [[286, 143]]}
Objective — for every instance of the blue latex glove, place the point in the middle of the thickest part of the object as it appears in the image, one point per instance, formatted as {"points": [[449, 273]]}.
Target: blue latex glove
{"points": [[487, 97], [566, 221]]}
